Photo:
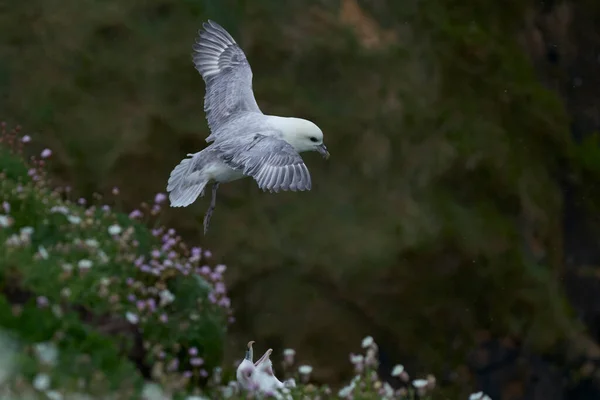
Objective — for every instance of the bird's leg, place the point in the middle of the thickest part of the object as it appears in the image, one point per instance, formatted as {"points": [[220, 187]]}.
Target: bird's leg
{"points": [[211, 208]]}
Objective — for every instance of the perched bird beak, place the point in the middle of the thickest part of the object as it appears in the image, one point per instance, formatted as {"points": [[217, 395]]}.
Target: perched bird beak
{"points": [[323, 150], [249, 352], [263, 358]]}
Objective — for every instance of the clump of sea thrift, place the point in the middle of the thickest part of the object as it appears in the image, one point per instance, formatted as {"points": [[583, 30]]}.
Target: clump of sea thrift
{"points": [[87, 257]]}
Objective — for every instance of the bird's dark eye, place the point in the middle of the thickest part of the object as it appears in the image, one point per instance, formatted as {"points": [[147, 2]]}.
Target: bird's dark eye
{"points": [[314, 139]]}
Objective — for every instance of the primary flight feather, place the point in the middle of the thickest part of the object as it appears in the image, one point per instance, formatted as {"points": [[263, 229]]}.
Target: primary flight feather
{"points": [[243, 140]]}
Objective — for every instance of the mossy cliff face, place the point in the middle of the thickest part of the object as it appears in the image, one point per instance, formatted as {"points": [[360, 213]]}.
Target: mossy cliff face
{"points": [[439, 213]]}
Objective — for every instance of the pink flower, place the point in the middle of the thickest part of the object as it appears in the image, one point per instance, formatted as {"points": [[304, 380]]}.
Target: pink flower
{"points": [[225, 302], [42, 301], [135, 214], [220, 288], [205, 270], [197, 361], [220, 268], [156, 232], [159, 198], [196, 252], [46, 153]]}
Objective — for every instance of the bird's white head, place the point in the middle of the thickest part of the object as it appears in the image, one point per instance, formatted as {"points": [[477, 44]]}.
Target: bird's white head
{"points": [[302, 134], [246, 370]]}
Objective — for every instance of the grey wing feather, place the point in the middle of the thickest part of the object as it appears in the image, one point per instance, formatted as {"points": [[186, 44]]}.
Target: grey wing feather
{"points": [[227, 74], [273, 163]]}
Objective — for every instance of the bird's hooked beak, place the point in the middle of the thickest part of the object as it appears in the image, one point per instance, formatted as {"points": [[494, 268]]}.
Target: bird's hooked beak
{"points": [[250, 352], [263, 358], [323, 150]]}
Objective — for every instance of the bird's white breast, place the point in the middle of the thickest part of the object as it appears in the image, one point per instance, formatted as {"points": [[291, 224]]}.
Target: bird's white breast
{"points": [[221, 172]]}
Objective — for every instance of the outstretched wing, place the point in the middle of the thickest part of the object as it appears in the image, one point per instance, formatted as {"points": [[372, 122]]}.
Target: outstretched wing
{"points": [[227, 74], [273, 163]]}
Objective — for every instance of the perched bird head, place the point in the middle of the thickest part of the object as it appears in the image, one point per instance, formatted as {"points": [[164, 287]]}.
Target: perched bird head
{"points": [[302, 134], [246, 370]]}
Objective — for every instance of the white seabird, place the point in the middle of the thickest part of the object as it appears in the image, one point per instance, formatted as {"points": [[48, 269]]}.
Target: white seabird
{"points": [[259, 376], [243, 140]]}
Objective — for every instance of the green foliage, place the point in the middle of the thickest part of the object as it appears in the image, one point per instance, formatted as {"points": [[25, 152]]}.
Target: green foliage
{"points": [[112, 296]]}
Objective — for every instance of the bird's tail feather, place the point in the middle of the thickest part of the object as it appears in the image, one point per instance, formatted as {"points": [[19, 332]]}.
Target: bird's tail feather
{"points": [[185, 183]]}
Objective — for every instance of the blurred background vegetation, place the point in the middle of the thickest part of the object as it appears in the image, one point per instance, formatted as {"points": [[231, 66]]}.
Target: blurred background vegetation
{"points": [[456, 220]]}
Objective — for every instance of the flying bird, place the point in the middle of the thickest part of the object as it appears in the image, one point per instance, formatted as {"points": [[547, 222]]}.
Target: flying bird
{"points": [[243, 141], [259, 376]]}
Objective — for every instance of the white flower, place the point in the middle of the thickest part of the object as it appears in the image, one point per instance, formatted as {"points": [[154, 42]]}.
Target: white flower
{"points": [[227, 392], [43, 252], [196, 398], [74, 219], [388, 390], [367, 342], [305, 369], [5, 221], [57, 311], [231, 389], [356, 359], [13, 240], [152, 391], [479, 396], [419, 383], [60, 210], [26, 231], [131, 317], [47, 352], [289, 383], [46, 153], [289, 352], [92, 243], [54, 395], [41, 382], [102, 257], [398, 369], [114, 230], [84, 264], [166, 297], [346, 391]]}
